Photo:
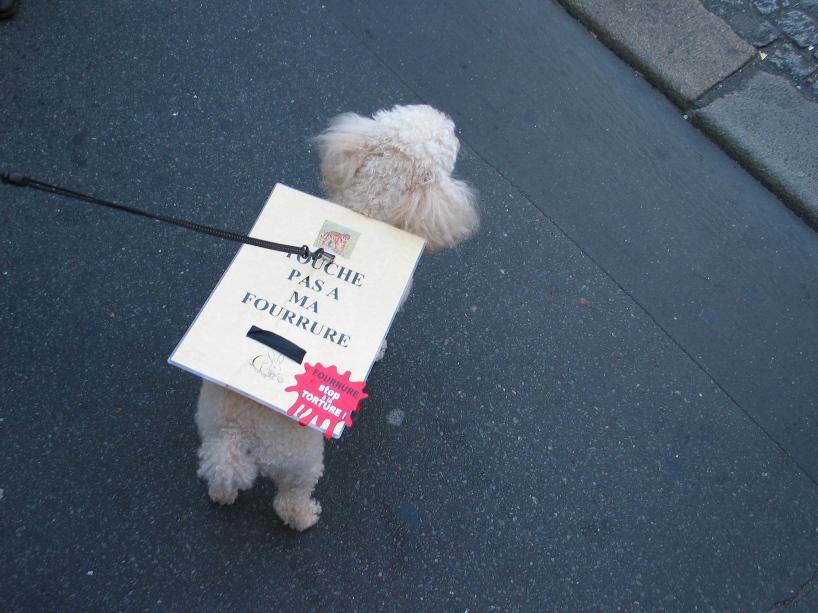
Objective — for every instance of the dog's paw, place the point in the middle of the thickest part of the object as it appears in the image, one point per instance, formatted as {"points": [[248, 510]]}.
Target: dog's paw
{"points": [[223, 482], [226, 468], [381, 352], [222, 493], [298, 515]]}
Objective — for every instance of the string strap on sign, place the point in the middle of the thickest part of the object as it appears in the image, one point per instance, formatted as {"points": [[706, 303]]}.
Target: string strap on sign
{"points": [[18, 180]]}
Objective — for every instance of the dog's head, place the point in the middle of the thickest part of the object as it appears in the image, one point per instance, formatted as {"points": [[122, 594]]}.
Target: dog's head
{"points": [[397, 167]]}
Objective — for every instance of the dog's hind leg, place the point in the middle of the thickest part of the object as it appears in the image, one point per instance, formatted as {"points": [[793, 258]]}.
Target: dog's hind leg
{"points": [[294, 503], [226, 465], [299, 464]]}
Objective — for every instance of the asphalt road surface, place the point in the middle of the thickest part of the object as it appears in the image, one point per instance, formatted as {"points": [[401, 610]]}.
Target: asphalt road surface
{"points": [[605, 401]]}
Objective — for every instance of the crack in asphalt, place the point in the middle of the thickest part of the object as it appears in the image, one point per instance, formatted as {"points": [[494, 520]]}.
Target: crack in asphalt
{"points": [[800, 594]]}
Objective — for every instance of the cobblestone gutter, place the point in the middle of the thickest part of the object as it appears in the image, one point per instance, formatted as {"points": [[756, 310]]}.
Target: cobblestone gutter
{"points": [[784, 31]]}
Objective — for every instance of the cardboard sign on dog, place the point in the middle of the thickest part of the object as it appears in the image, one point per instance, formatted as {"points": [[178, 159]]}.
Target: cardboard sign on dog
{"points": [[300, 335]]}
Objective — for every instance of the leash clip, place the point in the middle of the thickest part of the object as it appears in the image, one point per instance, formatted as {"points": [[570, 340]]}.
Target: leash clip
{"points": [[317, 254]]}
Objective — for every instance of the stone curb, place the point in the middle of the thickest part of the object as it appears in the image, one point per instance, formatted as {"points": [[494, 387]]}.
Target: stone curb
{"points": [[773, 132], [680, 46], [696, 59]]}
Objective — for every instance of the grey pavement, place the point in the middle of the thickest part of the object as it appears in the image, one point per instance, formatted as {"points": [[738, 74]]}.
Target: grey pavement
{"points": [[605, 401], [744, 71]]}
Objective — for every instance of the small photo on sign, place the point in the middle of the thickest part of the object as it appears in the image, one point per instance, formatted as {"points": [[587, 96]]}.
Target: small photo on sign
{"points": [[337, 239]]}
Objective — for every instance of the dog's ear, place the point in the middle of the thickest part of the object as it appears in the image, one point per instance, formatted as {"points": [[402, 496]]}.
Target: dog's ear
{"points": [[343, 148], [444, 212]]}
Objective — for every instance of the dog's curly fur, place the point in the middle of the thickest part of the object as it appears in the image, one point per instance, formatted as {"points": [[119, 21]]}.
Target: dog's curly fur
{"points": [[395, 167]]}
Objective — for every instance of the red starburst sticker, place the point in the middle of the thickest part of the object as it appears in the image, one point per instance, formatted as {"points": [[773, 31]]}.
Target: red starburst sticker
{"points": [[326, 397]]}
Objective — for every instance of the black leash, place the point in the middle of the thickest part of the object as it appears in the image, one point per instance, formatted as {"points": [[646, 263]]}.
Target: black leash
{"points": [[22, 181]]}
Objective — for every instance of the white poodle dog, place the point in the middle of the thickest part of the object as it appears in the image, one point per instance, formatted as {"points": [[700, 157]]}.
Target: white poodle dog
{"points": [[395, 167]]}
